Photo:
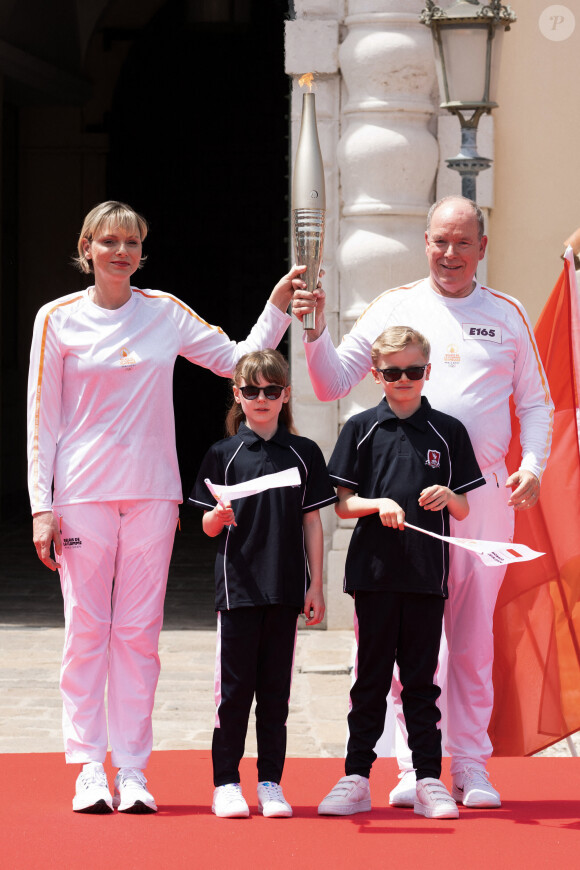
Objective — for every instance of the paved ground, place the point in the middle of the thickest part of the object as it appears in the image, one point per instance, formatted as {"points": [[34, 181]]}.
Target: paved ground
{"points": [[31, 644], [31, 632], [30, 706]]}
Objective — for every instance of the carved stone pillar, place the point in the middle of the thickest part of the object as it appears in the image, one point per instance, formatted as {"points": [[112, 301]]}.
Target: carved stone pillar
{"points": [[376, 128], [312, 46], [387, 157]]}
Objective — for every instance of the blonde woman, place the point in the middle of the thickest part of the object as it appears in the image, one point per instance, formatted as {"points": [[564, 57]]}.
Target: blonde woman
{"points": [[101, 431]]}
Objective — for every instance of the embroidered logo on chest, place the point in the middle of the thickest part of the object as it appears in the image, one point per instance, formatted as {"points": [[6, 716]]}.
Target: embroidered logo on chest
{"points": [[452, 356], [128, 359], [433, 459]]}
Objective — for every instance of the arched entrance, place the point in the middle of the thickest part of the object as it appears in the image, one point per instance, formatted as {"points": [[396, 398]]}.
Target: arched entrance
{"points": [[198, 142], [194, 135]]}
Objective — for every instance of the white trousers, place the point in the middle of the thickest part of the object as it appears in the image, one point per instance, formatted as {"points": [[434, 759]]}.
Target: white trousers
{"points": [[113, 572], [466, 700]]}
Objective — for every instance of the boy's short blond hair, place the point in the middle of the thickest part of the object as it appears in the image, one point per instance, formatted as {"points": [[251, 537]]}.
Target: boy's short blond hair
{"points": [[396, 338]]}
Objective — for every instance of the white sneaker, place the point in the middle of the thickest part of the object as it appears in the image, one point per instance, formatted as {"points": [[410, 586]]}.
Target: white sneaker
{"points": [[434, 801], [131, 795], [92, 790], [404, 793], [229, 802], [351, 794], [472, 788], [271, 801]]}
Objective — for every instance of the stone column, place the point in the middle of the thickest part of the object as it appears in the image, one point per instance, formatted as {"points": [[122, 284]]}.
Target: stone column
{"points": [[387, 157], [312, 46], [376, 128]]}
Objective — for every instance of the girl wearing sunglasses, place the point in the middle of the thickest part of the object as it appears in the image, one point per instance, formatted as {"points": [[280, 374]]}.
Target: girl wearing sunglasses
{"points": [[268, 570]]}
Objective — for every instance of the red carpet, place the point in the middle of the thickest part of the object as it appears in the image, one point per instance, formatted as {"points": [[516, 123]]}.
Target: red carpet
{"points": [[537, 827]]}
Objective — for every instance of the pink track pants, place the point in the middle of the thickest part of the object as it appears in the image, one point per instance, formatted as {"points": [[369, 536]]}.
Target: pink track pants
{"points": [[113, 573]]}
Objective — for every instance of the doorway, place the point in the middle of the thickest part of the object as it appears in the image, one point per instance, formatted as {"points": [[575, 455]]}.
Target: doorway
{"points": [[199, 145]]}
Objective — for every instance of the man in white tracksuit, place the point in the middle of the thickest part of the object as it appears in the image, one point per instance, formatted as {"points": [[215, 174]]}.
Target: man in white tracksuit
{"points": [[482, 352]]}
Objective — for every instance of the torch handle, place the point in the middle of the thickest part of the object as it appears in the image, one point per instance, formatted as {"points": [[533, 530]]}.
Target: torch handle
{"points": [[308, 236]]}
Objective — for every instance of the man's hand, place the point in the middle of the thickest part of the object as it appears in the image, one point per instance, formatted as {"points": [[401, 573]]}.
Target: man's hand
{"points": [[304, 302], [526, 489], [44, 531]]}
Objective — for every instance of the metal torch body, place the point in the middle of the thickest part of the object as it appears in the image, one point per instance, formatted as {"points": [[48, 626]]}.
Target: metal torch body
{"points": [[308, 201]]}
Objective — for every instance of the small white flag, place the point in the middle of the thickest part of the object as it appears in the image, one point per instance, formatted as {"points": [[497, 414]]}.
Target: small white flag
{"points": [[490, 552], [289, 477]]}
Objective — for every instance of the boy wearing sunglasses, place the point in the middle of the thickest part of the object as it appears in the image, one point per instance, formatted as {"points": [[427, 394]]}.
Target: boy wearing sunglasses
{"points": [[399, 461]]}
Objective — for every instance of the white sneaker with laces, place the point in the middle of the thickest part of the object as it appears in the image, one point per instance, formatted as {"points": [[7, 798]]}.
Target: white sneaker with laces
{"points": [[472, 788], [92, 790], [131, 795], [404, 793], [434, 801], [271, 801], [351, 794], [229, 802]]}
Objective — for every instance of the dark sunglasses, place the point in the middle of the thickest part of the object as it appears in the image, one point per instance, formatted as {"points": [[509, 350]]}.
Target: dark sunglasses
{"points": [[271, 391], [414, 373]]}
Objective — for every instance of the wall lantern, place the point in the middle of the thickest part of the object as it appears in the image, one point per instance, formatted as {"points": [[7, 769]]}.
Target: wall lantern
{"points": [[467, 39]]}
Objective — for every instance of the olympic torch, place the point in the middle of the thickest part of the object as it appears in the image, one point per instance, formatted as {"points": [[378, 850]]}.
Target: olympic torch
{"points": [[308, 197]]}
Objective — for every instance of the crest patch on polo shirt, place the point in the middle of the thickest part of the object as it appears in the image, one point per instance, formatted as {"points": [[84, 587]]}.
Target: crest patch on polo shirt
{"points": [[433, 459]]}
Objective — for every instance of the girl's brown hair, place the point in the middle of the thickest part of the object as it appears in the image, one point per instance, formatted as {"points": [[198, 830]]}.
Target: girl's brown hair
{"points": [[273, 368]]}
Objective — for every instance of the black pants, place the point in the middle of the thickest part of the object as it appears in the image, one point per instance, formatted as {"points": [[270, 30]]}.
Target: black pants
{"points": [[255, 654], [405, 628]]}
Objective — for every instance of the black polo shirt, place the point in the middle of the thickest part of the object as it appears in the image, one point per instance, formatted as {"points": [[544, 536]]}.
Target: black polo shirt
{"points": [[262, 560], [379, 455]]}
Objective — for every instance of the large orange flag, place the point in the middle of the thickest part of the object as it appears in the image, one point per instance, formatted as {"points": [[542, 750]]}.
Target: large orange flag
{"points": [[537, 617]]}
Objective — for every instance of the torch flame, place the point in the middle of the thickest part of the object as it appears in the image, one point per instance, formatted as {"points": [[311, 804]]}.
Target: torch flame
{"points": [[306, 79]]}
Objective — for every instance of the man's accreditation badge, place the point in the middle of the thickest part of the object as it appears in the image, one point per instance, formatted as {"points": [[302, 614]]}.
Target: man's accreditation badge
{"points": [[433, 459]]}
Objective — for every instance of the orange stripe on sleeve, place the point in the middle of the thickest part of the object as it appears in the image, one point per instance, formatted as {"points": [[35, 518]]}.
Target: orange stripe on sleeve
{"points": [[180, 305], [386, 293], [35, 447], [538, 363]]}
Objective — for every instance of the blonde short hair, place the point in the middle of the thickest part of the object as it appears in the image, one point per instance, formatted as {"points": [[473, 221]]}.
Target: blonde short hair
{"points": [[396, 338], [117, 214]]}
